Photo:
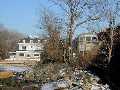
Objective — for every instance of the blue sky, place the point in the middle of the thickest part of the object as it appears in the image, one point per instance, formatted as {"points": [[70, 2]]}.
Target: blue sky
{"points": [[21, 15]]}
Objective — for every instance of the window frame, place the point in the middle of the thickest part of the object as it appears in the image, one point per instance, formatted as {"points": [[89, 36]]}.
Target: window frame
{"points": [[36, 55], [21, 54]]}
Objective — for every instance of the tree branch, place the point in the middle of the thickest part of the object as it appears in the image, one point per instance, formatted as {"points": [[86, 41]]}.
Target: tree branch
{"points": [[88, 19], [60, 5]]}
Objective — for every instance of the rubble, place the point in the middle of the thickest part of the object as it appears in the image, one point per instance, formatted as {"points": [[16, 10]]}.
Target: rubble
{"points": [[80, 80]]}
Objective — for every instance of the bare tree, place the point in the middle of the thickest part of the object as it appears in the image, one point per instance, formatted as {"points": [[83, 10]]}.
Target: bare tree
{"points": [[78, 12], [8, 40], [54, 44], [111, 12]]}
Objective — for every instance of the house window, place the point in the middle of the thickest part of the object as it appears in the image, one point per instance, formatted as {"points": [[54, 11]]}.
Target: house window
{"points": [[23, 47], [81, 38], [12, 54], [88, 39], [36, 54], [21, 54], [28, 55]]}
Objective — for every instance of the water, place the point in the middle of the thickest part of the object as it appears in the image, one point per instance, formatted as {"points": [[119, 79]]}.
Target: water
{"points": [[14, 68], [47, 87]]}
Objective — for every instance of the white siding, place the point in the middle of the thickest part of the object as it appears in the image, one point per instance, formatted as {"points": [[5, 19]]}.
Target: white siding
{"points": [[28, 51]]}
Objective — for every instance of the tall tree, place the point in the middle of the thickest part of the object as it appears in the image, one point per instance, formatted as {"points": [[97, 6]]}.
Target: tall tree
{"points": [[53, 46], [111, 13], [78, 12]]}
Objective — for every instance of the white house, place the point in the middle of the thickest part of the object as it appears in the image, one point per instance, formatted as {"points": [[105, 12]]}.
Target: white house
{"points": [[27, 49]]}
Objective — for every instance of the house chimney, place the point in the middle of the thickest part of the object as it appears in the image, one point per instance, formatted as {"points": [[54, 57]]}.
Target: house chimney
{"points": [[23, 40]]}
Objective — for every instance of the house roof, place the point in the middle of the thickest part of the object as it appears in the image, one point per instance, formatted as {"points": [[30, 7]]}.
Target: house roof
{"points": [[27, 40], [87, 34]]}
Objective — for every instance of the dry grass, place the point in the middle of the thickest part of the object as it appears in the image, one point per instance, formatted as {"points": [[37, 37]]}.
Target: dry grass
{"points": [[5, 74]]}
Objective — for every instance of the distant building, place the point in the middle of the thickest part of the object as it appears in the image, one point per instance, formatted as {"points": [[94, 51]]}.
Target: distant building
{"points": [[87, 41], [27, 49]]}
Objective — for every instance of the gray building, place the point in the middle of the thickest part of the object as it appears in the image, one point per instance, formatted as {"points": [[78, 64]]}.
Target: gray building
{"points": [[87, 41]]}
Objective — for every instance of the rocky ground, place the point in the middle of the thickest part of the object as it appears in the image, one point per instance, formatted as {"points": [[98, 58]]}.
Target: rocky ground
{"points": [[82, 80]]}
